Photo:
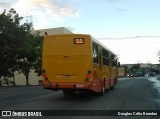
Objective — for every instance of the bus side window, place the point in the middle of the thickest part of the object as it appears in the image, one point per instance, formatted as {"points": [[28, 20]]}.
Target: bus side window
{"points": [[105, 57], [114, 60], [95, 53]]}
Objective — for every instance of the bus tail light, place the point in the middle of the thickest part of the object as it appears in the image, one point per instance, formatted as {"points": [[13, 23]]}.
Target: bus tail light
{"points": [[88, 75], [44, 75]]}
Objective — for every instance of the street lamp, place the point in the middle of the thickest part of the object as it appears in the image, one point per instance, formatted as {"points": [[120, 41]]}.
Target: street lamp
{"points": [[148, 66], [159, 65], [139, 64], [139, 61]]}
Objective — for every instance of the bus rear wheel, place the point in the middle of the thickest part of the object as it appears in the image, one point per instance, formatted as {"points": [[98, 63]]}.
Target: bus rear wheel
{"points": [[115, 82], [68, 92], [112, 87], [102, 93]]}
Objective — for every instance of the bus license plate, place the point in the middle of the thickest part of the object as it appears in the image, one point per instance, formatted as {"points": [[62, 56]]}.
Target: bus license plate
{"points": [[67, 76], [79, 85]]}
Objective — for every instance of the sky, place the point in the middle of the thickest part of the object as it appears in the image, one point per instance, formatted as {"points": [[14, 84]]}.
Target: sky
{"points": [[130, 28]]}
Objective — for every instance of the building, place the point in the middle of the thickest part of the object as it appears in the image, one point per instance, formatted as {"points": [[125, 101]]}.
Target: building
{"points": [[141, 69], [52, 31], [121, 71]]}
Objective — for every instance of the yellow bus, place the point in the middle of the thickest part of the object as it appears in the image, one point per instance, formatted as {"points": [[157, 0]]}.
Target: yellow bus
{"points": [[73, 62]]}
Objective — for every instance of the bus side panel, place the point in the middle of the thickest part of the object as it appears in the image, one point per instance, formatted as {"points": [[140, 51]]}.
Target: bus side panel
{"points": [[106, 76], [113, 77], [97, 82]]}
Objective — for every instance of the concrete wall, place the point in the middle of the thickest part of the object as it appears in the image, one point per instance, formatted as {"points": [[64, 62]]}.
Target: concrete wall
{"points": [[121, 72], [33, 79]]}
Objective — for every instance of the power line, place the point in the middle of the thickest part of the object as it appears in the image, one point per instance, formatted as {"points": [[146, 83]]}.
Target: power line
{"points": [[133, 37]]}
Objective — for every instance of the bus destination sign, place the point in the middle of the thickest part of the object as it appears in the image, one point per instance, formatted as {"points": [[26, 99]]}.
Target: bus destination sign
{"points": [[78, 40]]}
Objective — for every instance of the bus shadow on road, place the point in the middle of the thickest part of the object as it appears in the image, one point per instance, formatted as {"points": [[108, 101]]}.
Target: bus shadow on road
{"points": [[80, 96]]}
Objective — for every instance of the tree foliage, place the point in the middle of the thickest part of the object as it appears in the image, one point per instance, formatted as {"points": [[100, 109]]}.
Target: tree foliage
{"points": [[158, 54], [9, 26], [30, 55], [135, 67], [19, 49]]}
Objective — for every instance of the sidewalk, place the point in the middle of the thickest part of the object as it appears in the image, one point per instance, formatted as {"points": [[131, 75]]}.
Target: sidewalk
{"points": [[156, 82], [158, 77]]}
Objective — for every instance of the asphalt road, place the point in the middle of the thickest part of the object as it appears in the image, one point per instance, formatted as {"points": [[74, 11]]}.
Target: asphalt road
{"points": [[129, 94]]}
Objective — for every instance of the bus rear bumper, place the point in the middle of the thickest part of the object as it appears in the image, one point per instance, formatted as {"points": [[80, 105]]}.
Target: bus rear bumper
{"points": [[75, 86]]}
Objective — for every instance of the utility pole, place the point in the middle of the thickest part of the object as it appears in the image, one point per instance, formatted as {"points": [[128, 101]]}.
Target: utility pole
{"points": [[29, 20], [148, 66], [159, 64], [158, 54], [139, 64]]}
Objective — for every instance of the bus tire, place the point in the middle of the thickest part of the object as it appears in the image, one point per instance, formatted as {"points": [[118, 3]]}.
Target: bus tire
{"points": [[112, 87], [102, 93], [68, 92], [113, 84]]}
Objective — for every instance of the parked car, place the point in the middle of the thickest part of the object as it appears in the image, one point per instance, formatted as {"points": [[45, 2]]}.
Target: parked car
{"points": [[150, 74], [130, 75], [138, 74]]}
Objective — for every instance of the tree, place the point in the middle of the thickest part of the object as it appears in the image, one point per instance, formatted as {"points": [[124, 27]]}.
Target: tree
{"points": [[30, 57], [158, 53], [11, 41], [38, 64], [135, 67], [3, 67], [19, 49]]}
